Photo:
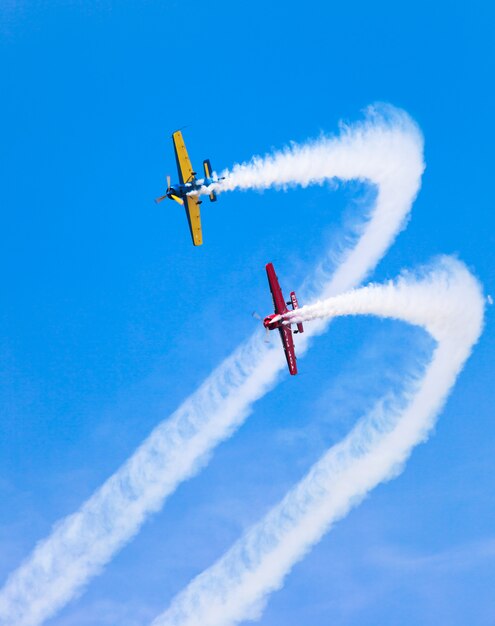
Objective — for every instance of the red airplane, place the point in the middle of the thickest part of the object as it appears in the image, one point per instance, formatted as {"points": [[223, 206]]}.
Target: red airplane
{"points": [[271, 322]]}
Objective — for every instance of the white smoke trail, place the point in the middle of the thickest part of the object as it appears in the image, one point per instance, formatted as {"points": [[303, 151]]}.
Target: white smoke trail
{"points": [[447, 302], [385, 151]]}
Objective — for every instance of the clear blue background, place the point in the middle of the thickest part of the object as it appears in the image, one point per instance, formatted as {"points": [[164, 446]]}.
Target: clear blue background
{"points": [[110, 318]]}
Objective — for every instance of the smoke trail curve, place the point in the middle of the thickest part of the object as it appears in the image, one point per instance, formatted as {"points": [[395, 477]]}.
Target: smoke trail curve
{"points": [[447, 302], [385, 150]]}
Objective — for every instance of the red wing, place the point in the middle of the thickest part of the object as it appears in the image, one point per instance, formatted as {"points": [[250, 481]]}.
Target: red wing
{"points": [[278, 298], [290, 353]]}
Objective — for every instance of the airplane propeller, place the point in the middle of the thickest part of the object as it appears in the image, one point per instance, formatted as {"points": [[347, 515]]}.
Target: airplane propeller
{"points": [[170, 195], [257, 316]]}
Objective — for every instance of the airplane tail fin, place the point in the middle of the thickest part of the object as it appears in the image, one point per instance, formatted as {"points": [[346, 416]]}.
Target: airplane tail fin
{"points": [[208, 170], [295, 305]]}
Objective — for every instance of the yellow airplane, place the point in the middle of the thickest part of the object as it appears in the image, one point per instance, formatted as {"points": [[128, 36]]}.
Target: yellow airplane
{"points": [[187, 183]]}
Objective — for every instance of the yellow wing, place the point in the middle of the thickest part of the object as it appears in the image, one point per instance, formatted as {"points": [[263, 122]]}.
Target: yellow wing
{"points": [[183, 162], [194, 219]]}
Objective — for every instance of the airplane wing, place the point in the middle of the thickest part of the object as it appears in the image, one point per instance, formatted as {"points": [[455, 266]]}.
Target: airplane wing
{"points": [[278, 298], [184, 166], [290, 353], [191, 204]]}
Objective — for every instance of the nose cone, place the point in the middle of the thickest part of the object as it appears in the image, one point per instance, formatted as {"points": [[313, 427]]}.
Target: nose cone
{"points": [[272, 321]]}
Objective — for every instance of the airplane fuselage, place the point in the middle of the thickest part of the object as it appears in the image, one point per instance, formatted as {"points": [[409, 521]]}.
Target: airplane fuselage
{"points": [[273, 321], [181, 190]]}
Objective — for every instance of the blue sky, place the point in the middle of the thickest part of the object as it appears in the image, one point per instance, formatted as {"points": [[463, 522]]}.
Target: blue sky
{"points": [[110, 318]]}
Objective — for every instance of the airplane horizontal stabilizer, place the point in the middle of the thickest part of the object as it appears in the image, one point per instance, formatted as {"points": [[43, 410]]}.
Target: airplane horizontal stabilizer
{"points": [[208, 170]]}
